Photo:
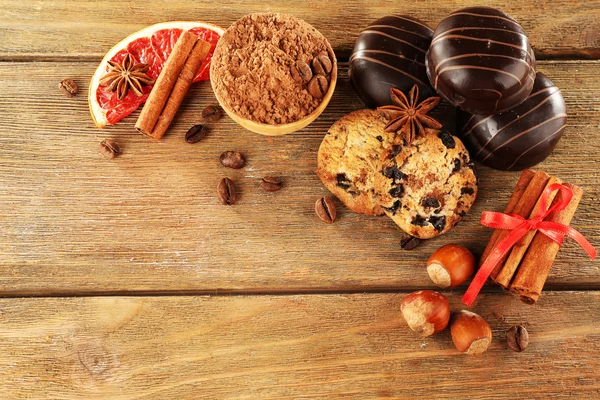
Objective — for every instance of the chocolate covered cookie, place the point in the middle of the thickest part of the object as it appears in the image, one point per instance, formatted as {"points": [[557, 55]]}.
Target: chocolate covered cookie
{"points": [[481, 61], [428, 186], [349, 156], [390, 53]]}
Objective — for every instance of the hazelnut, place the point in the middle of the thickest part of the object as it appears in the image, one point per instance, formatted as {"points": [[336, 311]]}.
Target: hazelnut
{"points": [[450, 265], [426, 311], [470, 333]]}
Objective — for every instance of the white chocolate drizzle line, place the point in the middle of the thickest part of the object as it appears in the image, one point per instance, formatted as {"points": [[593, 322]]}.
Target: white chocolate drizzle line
{"points": [[412, 21], [472, 67], [536, 145], [512, 122], [398, 29], [480, 28], [484, 16], [523, 133], [440, 38], [490, 116], [395, 38], [384, 52], [389, 66], [481, 55]]}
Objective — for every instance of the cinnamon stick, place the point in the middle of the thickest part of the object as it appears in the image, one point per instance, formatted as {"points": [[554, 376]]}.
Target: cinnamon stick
{"points": [[515, 256], [538, 260], [523, 208], [186, 77], [165, 83], [522, 184]]}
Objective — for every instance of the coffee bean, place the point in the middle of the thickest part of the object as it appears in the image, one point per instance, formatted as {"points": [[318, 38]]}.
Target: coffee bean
{"points": [[226, 192], [232, 159], [109, 148], [304, 71], [68, 87], [212, 113], [295, 74], [325, 210], [409, 242], [322, 64], [196, 133], [271, 183], [318, 86], [517, 338]]}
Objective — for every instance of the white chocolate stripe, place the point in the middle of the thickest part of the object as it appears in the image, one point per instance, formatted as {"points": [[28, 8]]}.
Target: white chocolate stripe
{"points": [[491, 115], [412, 21], [398, 29], [484, 16], [536, 145], [523, 133], [471, 67], [394, 38], [476, 125], [512, 122], [440, 38], [387, 53], [481, 55], [473, 28], [491, 90], [391, 67]]}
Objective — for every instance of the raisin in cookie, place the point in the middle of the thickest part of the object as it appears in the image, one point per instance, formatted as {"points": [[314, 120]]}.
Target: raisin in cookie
{"points": [[428, 186], [349, 157]]}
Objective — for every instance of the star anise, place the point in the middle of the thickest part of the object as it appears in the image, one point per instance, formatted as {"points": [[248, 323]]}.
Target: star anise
{"points": [[409, 117], [126, 75]]}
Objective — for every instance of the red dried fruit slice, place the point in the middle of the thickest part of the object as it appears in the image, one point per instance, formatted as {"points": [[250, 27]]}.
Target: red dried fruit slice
{"points": [[152, 46]]}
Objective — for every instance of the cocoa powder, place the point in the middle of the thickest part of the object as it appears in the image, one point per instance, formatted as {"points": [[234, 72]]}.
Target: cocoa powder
{"points": [[253, 69]]}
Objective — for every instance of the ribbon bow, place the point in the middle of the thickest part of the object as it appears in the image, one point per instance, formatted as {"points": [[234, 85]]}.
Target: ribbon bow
{"points": [[519, 227]]}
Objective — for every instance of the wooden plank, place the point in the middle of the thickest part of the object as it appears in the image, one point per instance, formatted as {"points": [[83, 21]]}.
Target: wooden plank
{"points": [[87, 29], [149, 221], [272, 347]]}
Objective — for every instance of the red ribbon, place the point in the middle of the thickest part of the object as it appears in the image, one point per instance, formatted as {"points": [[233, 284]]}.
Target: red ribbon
{"points": [[519, 227]]}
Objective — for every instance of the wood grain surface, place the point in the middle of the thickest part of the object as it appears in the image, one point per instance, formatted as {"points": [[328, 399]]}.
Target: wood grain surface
{"points": [[87, 29], [273, 347], [75, 222], [146, 232]]}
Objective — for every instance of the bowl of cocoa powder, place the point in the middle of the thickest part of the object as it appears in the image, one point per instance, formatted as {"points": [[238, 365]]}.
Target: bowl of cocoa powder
{"points": [[273, 73]]}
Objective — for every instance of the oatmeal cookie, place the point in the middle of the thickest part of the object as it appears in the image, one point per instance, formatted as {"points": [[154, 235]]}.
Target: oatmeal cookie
{"points": [[428, 186], [349, 157]]}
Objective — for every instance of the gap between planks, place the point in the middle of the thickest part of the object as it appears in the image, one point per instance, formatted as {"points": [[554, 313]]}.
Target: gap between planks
{"points": [[263, 293]]}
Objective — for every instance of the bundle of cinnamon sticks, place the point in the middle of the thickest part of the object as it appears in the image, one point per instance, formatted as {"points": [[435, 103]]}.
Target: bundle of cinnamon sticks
{"points": [[172, 85], [525, 269]]}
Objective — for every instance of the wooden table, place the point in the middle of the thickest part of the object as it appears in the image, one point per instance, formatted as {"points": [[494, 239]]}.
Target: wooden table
{"points": [[127, 279]]}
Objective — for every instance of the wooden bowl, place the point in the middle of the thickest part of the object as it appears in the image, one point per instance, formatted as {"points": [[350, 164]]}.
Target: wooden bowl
{"points": [[283, 129]]}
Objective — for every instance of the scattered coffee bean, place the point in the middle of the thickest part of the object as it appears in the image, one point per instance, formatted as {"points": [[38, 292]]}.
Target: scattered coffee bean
{"points": [[322, 64], [68, 87], [303, 70], [325, 210], [232, 159], [226, 192], [271, 183], [318, 86], [109, 148], [196, 133], [212, 113], [409, 242], [517, 338]]}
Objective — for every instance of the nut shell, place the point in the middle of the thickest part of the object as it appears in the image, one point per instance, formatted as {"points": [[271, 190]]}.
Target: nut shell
{"points": [[426, 312], [470, 333], [450, 265]]}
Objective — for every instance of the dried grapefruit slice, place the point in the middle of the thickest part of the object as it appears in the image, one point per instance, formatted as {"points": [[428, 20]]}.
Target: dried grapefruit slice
{"points": [[152, 46]]}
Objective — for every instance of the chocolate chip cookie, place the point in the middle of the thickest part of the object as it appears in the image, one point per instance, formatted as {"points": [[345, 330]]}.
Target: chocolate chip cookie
{"points": [[428, 186], [349, 158]]}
